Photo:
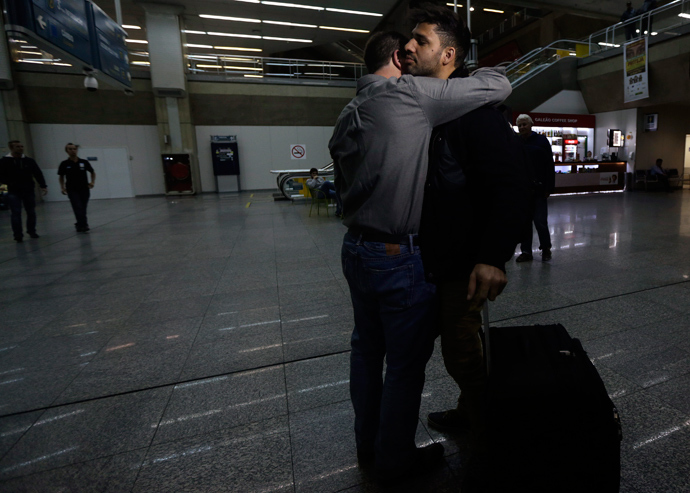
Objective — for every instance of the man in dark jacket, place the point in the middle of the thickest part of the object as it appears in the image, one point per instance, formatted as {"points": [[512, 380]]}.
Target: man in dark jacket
{"points": [[78, 187], [540, 160], [471, 216], [627, 15], [18, 171]]}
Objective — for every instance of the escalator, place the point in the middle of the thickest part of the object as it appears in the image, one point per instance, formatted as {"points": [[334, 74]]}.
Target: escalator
{"points": [[292, 182]]}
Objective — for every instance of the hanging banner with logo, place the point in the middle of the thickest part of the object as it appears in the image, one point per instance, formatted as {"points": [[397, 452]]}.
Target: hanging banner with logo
{"points": [[635, 71]]}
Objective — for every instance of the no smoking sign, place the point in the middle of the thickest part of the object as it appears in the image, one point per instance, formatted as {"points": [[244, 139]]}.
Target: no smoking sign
{"points": [[298, 151]]}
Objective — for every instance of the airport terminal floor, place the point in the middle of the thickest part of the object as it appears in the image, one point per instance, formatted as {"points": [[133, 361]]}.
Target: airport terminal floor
{"points": [[201, 344]]}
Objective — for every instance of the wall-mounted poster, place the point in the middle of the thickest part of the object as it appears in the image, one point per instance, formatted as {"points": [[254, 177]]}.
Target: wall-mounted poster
{"points": [[635, 71], [650, 122]]}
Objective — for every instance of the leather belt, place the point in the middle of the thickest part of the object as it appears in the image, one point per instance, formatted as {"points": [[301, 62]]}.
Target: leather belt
{"points": [[376, 236]]}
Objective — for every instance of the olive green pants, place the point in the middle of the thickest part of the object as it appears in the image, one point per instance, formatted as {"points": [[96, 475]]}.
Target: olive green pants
{"points": [[463, 356]]}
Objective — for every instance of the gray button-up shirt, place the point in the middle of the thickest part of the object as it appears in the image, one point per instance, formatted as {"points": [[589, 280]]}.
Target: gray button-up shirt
{"points": [[381, 141]]}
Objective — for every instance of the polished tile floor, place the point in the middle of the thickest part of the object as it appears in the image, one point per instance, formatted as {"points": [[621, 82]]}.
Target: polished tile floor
{"points": [[201, 344]]}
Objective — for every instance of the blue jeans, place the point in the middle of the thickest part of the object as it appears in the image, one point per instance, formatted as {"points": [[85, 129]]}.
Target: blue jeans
{"points": [[394, 310], [540, 217], [329, 189], [16, 199]]}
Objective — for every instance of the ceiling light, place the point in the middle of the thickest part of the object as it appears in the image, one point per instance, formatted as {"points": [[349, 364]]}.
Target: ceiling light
{"points": [[248, 1], [292, 5], [231, 35], [331, 28], [127, 26], [236, 48], [492, 10], [63, 64], [356, 12], [17, 41], [31, 52], [289, 24], [321, 73], [296, 40], [653, 33], [234, 59], [453, 5], [191, 45], [683, 14], [324, 65], [140, 41], [202, 57], [141, 63], [471, 9], [282, 75], [601, 43], [209, 66], [139, 53], [186, 31], [226, 18], [254, 76], [30, 61], [275, 64]]}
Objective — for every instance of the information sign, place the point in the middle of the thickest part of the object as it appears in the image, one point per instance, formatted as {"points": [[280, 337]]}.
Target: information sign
{"points": [[110, 48], [225, 155]]}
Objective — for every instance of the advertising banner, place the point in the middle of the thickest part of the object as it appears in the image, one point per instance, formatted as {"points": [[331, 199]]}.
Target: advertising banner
{"points": [[635, 71]]}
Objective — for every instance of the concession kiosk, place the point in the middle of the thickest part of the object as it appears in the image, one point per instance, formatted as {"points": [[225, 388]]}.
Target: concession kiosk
{"points": [[578, 168]]}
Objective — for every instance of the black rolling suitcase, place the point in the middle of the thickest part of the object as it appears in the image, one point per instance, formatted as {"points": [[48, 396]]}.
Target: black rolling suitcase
{"points": [[552, 427]]}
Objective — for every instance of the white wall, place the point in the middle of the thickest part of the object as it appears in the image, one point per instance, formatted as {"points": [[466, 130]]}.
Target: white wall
{"points": [[262, 149], [626, 121], [141, 142], [566, 102]]}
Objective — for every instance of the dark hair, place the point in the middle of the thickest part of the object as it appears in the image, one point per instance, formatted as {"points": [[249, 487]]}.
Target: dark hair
{"points": [[659, 161], [9, 144], [450, 27], [70, 144], [380, 48], [313, 170]]}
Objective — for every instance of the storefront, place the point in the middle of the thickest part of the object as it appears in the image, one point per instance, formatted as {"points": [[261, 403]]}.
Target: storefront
{"points": [[578, 167]]}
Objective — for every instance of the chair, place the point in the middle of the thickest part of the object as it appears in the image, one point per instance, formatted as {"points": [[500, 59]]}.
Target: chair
{"points": [[318, 197], [650, 178], [673, 178], [641, 177]]}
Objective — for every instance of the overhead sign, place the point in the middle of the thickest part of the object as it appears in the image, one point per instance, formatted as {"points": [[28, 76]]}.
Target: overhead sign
{"points": [[109, 44], [298, 151], [561, 120], [63, 23], [77, 30], [635, 71]]}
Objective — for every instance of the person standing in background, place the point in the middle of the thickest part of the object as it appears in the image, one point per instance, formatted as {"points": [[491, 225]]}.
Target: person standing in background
{"points": [[627, 15], [540, 160], [18, 171], [78, 187]]}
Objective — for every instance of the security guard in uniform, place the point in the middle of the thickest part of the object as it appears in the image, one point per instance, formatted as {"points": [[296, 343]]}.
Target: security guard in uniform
{"points": [[78, 186]]}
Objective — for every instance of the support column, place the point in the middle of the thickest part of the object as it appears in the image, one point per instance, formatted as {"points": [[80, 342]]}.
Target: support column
{"points": [[173, 113]]}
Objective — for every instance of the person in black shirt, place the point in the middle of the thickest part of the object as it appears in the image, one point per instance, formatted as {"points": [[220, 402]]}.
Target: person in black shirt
{"points": [[18, 171], [78, 187]]}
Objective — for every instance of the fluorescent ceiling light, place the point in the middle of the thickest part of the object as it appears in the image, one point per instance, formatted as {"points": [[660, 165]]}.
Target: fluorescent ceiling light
{"points": [[471, 9], [494, 11], [236, 48], [683, 14], [453, 5], [356, 12], [127, 26], [249, 1], [331, 28], [226, 18], [191, 45], [186, 31], [279, 23], [30, 61], [296, 40], [63, 64], [17, 41], [231, 35], [292, 5], [209, 66], [235, 59], [601, 43], [31, 52], [202, 57], [254, 76], [139, 53], [141, 63], [275, 64], [140, 41]]}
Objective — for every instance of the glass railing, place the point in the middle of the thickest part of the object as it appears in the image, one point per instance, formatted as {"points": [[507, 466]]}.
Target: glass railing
{"points": [[540, 59], [247, 67], [662, 21]]}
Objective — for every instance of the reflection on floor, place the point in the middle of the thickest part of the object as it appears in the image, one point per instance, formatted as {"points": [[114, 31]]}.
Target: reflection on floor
{"points": [[201, 344]]}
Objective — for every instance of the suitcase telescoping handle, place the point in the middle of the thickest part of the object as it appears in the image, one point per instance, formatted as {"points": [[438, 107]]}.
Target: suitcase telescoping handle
{"points": [[487, 339]]}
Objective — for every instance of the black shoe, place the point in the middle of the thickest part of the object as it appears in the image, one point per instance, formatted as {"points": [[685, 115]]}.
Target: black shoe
{"points": [[545, 255], [450, 421], [34, 235], [524, 257], [18, 239], [366, 458], [424, 459]]}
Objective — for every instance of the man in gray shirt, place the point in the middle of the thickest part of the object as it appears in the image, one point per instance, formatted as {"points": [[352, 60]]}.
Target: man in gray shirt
{"points": [[379, 148]]}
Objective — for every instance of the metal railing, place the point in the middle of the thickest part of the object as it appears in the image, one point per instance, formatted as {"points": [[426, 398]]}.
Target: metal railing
{"points": [[247, 67], [662, 20]]}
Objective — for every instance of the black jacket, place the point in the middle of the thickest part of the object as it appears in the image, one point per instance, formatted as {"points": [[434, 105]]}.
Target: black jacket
{"points": [[538, 152], [19, 173], [476, 195]]}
